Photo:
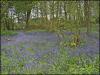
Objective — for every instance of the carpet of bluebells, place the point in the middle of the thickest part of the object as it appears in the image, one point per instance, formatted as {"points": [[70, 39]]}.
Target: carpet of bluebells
{"points": [[35, 52]]}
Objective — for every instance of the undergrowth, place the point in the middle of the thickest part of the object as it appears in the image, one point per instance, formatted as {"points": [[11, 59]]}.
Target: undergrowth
{"points": [[8, 32], [62, 64], [75, 65]]}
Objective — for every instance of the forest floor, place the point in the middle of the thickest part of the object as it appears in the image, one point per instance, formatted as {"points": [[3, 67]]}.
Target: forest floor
{"points": [[34, 48]]}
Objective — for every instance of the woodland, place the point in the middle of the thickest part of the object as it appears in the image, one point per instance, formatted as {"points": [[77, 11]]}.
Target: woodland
{"points": [[49, 37]]}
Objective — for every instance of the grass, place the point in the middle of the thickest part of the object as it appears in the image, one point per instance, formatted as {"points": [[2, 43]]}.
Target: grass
{"points": [[63, 64], [75, 65], [36, 30], [31, 50], [8, 32]]}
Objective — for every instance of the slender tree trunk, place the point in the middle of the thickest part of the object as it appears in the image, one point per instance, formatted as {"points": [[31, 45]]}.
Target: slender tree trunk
{"points": [[7, 22], [57, 10], [37, 11], [65, 10], [87, 15], [53, 11], [18, 17], [27, 17]]}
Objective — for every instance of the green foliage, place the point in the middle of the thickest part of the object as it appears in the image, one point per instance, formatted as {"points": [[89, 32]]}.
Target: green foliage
{"points": [[6, 32], [63, 64], [31, 50], [22, 6], [72, 42], [75, 65]]}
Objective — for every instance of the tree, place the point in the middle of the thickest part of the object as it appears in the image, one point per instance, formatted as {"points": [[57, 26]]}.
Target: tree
{"points": [[87, 15], [24, 7]]}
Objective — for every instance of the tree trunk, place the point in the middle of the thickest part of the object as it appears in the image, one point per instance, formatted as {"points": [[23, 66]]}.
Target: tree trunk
{"points": [[87, 15], [7, 21], [65, 10], [27, 17]]}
